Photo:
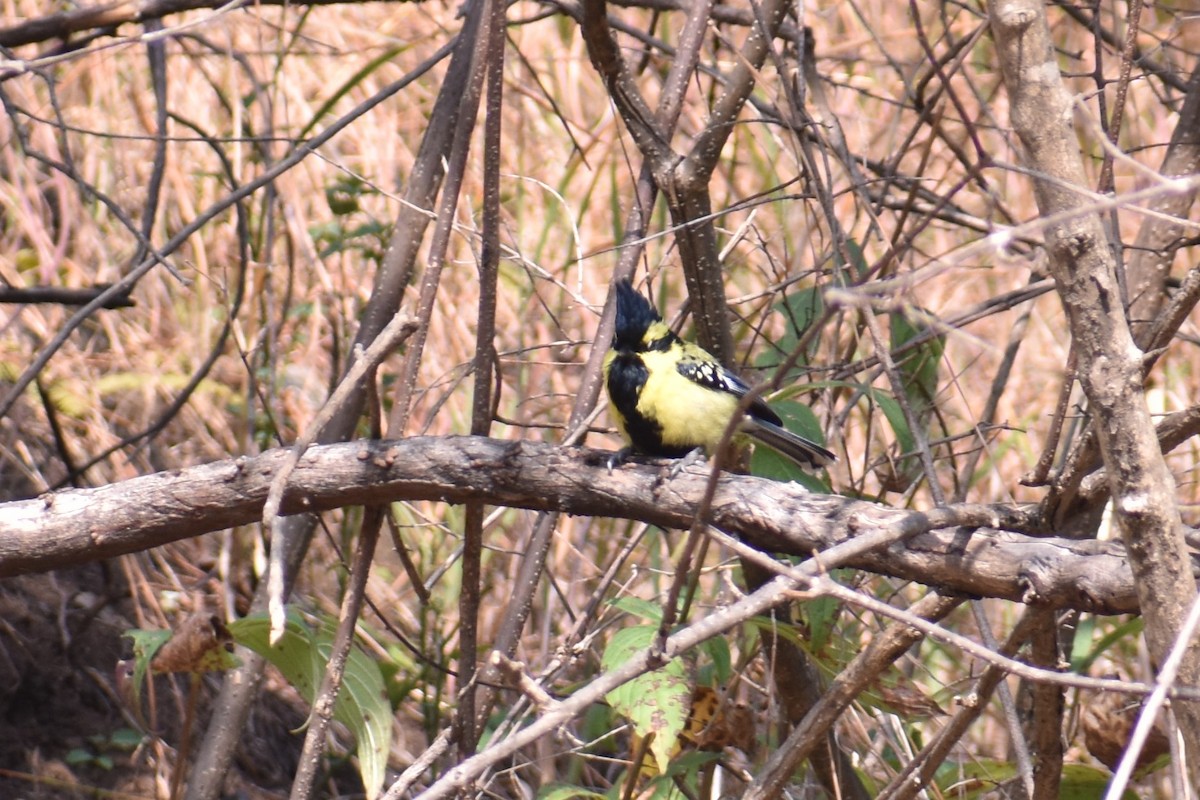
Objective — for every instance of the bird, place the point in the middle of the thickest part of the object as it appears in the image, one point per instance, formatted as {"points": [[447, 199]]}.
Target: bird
{"points": [[670, 397]]}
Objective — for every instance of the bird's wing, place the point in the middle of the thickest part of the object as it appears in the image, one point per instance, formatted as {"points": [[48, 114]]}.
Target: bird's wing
{"points": [[709, 373]]}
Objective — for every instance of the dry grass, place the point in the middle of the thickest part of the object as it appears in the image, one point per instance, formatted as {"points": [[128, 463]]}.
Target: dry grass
{"points": [[568, 166]]}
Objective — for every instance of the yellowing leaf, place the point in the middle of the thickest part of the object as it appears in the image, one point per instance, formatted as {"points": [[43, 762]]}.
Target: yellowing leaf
{"points": [[658, 702]]}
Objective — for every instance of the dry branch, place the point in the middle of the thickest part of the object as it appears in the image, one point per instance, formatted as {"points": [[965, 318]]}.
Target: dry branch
{"points": [[61, 296], [77, 526], [1110, 365], [111, 15]]}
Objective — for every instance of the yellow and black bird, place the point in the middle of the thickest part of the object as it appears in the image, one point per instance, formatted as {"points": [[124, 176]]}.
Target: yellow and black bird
{"points": [[669, 396]]}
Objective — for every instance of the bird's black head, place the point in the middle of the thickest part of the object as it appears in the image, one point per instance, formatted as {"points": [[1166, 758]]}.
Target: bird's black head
{"points": [[635, 315]]}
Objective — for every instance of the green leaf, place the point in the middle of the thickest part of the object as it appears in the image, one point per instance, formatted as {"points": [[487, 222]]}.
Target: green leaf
{"points": [[767, 626], [858, 263], [1083, 656], [766, 463], [895, 417], [800, 309], [1081, 643], [1083, 782], [145, 644], [656, 703], [126, 739], [27, 260], [717, 650], [886, 402], [66, 400], [661, 787], [821, 613], [639, 608], [343, 194], [981, 778], [799, 418], [354, 80], [919, 365], [362, 704]]}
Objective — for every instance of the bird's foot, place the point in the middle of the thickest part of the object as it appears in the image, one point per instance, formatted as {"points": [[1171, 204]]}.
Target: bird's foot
{"points": [[694, 457], [618, 458]]}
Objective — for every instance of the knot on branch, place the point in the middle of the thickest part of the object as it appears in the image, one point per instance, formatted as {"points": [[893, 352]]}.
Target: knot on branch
{"points": [[1049, 583], [1072, 243], [1017, 19]]}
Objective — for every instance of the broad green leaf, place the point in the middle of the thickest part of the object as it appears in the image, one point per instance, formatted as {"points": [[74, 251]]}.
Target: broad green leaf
{"points": [[1084, 653], [766, 463], [979, 779], [918, 365], [887, 405], [776, 627], [1081, 643], [858, 264], [145, 644], [126, 739], [800, 309], [1083, 782], [717, 650], [660, 787], [895, 417], [800, 419], [656, 703], [820, 613], [639, 608], [362, 704]]}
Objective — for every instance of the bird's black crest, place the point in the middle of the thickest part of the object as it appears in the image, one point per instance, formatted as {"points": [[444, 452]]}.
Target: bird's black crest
{"points": [[634, 316]]}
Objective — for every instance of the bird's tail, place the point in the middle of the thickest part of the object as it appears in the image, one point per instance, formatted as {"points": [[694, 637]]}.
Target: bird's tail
{"points": [[786, 443]]}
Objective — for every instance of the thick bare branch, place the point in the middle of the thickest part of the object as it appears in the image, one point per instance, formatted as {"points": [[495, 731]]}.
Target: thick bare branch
{"points": [[77, 526], [111, 15], [1110, 365], [607, 59]]}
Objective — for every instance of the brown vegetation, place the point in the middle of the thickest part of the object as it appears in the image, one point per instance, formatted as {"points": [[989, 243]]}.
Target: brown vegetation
{"points": [[906, 219]]}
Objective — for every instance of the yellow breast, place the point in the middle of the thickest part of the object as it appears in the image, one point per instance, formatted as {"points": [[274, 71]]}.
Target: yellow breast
{"points": [[690, 415]]}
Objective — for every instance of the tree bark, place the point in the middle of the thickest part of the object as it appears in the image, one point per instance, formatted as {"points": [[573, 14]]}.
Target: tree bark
{"points": [[1110, 365], [81, 525]]}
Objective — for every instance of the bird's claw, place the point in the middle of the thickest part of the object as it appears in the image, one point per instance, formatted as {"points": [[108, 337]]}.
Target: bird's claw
{"points": [[618, 458], [694, 457]]}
